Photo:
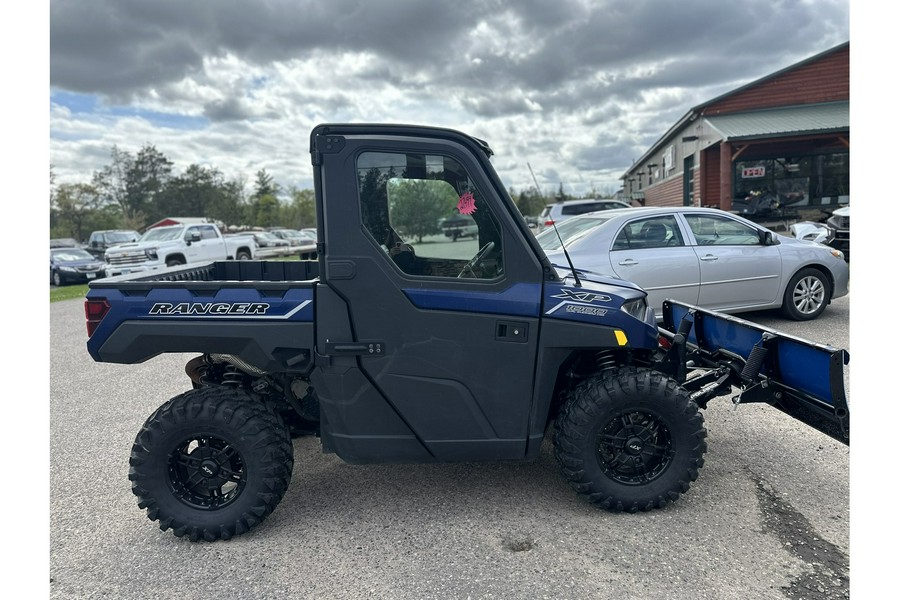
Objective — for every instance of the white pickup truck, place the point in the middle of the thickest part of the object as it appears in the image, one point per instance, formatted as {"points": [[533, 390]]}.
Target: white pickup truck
{"points": [[177, 245]]}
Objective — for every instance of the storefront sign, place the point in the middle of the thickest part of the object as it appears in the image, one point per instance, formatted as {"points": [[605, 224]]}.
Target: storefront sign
{"points": [[753, 172]]}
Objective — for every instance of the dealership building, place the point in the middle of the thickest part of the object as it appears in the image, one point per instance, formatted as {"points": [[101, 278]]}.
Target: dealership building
{"points": [[786, 135]]}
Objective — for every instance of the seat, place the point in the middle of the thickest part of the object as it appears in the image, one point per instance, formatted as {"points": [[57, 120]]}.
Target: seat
{"points": [[653, 234]]}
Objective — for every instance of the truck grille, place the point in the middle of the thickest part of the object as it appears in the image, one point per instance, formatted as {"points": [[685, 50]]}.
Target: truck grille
{"points": [[123, 260]]}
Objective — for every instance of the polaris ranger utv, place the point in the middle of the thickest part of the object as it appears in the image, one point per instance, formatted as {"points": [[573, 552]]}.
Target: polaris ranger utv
{"points": [[443, 351]]}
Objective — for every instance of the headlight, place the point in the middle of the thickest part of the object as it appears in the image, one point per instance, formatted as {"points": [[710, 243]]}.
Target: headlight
{"points": [[68, 269], [151, 253], [636, 308], [837, 254]]}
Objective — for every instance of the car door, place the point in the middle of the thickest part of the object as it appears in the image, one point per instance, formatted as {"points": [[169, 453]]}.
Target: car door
{"points": [[736, 269], [450, 347], [652, 252], [209, 246]]}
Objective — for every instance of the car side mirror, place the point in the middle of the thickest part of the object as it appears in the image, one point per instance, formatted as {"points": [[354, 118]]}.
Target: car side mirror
{"points": [[193, 236], [768, 238]]}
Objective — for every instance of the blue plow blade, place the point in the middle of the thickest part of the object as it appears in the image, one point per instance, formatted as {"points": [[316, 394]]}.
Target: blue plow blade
{"points": [[803, 379]]}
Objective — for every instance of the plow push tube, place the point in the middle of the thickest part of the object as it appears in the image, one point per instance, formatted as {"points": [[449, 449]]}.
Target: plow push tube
{"points": [[801, 378]]}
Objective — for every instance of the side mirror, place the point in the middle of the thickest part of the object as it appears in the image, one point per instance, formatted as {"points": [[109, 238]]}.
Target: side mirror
{"points": [[767, 238], [193, 236]]}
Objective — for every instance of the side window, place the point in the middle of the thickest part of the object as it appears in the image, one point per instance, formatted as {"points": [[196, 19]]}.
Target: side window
{"points": [[713, 230], [207, 232], [655, 232], [581, 209], [428, 217]]}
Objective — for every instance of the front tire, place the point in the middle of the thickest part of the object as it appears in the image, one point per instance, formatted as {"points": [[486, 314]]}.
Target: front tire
{"points": [[211, 463], [631, 440], [806, 296]]}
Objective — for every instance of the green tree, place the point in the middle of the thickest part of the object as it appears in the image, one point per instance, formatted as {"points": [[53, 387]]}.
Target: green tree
{"points": [[300, 211], [418, 205], [561, 195], [266, 211], [265, 185], [74, 206], [530, 202], [133, 183]]}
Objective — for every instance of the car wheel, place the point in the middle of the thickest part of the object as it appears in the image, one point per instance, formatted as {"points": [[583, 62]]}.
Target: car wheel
{"points": [[806, 296], [243, 255], [57, 279], [630, 441], [211, 463]]}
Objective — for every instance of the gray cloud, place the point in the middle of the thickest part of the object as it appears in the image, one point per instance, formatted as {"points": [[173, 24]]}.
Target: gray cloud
{"points": [[619, 72]]}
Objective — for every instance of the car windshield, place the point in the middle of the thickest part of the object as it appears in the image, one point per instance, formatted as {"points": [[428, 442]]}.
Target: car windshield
{"points": [[163, 234], [571, 231], [121, 237], [71, 254]]}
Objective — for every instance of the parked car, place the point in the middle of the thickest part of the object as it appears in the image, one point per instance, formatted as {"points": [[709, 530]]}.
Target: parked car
{"points": [[302, 244], [560, 211], [459, 226], [270, 245], [705, 257], [64, 243], [74, 265], [839, 230], [834, 231], [101, 241]]}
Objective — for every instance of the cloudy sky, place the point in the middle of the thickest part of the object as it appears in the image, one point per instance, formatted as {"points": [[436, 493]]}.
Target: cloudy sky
{"points": [[578, 89]]}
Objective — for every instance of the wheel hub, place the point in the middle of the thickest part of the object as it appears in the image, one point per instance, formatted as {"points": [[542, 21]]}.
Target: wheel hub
{"points": [[206, 472], [635, 448]]}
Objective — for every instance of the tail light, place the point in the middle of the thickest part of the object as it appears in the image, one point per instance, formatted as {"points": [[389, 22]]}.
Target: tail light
{"points": [[94, 311], [548, 223]]}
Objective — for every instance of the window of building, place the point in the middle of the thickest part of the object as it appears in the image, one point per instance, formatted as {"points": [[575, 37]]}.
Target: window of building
{"points": [[795, 181], [411, 203]]}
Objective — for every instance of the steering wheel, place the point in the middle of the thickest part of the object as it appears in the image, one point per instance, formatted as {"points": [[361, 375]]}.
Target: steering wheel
{"points": [[470, 266]]}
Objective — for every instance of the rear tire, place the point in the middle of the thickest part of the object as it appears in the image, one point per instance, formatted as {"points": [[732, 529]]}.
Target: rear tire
{"points": [[806, 295], [630, 440], [243, 255], [211, 463]]}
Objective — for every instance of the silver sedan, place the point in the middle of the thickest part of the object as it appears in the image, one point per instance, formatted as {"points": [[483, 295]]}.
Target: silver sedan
{"points": [[703, 256]]}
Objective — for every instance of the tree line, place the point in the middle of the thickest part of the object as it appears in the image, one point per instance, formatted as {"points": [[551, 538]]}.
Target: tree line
{"points": [[134, 191]]}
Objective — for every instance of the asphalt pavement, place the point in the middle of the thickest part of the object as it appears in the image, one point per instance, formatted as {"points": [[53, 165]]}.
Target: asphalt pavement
{"points": [[769, 516]]}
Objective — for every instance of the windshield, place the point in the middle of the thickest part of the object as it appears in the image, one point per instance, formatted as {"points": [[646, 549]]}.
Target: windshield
{"points": [[72, 254], [163, 234], [571, 231], [121, 237]]}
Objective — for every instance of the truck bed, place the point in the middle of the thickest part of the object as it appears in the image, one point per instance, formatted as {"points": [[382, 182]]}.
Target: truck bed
{"points": [[228, 271], [268, 306]]}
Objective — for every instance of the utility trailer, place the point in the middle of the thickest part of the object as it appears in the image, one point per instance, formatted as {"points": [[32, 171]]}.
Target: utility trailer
{"points": [[443, 351]]}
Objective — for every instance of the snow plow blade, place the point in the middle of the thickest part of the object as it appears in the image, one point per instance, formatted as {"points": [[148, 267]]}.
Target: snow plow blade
{"points": [[801, 378]]}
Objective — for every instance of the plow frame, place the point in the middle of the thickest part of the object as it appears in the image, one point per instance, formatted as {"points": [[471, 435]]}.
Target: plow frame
{"points": [[711, 354]]}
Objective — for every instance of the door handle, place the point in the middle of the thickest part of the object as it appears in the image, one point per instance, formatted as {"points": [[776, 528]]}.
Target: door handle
{"points": [[628, 262], [355, 348], [709, 257]]}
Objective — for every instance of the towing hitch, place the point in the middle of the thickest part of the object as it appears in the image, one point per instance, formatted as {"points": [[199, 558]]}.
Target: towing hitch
{"points": [[711, 354]]}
